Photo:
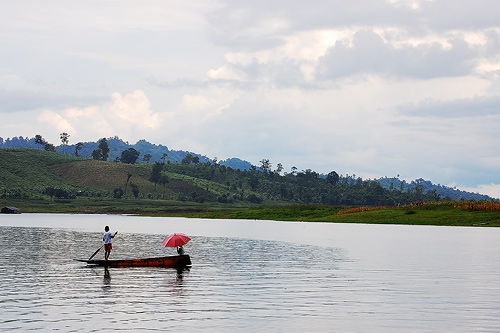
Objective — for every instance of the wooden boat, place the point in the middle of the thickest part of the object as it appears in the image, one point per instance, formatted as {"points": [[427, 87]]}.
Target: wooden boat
{"points": [[168, 262]]}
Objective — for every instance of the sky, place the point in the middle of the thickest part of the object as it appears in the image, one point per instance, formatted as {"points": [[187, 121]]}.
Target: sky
{"points": [[372, 88]]}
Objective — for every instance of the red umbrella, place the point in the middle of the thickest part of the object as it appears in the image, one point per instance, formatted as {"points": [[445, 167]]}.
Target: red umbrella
{"points": [[175, 240]]}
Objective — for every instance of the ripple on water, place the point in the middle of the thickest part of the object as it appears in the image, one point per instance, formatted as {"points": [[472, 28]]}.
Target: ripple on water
{"points": [[232, 282], [394, 279]]}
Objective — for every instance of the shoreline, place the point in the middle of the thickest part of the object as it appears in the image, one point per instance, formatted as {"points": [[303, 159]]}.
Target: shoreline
{"points": [[439, 213]]}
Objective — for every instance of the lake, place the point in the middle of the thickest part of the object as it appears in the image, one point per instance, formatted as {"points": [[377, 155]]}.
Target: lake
{"points": [[248, 276]]}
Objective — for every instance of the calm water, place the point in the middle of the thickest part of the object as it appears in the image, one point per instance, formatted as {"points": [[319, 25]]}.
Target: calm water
{"points": [[249, 275]]}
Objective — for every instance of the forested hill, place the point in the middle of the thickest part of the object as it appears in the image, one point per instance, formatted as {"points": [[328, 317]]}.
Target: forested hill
{"points": [[35, 173], [162, 154], [117, 146]]}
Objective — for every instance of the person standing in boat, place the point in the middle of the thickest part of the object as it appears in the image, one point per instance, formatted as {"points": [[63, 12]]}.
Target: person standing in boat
{"points": [[107, 242], [180, 250]]}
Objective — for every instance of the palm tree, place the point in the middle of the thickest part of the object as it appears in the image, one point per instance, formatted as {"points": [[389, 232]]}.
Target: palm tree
{"points": [[64, 139]]}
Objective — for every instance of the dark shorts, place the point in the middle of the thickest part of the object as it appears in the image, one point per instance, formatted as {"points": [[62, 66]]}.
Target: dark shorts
{"points": [[108, 247]]}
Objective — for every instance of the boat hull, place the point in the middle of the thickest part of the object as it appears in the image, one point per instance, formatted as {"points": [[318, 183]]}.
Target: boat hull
{"points": [[170, 261]]}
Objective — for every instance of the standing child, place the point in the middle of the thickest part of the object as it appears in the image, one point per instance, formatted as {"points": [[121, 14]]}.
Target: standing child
{"points": [[107, 242]]}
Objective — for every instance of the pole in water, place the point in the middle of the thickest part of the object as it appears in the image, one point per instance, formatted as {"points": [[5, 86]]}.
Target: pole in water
{"points": [[99, 249]]}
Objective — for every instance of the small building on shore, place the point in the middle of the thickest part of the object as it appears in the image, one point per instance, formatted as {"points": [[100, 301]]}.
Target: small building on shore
{"points": [[10, 210]]}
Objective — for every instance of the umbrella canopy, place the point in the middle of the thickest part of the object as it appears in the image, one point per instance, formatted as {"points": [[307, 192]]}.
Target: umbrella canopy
{"points": [[175, 240]]}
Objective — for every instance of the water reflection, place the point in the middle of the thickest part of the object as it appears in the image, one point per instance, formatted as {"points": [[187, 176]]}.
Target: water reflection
{"points": [[225, 272], [175, 285], [107, 277]]}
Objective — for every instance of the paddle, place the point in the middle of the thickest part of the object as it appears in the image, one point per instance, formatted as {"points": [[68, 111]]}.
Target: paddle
{"points": [[99, 249]]}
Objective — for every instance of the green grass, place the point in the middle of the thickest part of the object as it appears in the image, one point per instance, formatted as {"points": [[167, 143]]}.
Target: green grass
{"points": [[22, 168], [209, 186], [438, 215], [103, 175], [31, 170]]}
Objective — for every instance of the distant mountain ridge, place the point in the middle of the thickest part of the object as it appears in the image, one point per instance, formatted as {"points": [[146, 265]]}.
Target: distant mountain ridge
{"points": [[117, 145], [443, 191]]}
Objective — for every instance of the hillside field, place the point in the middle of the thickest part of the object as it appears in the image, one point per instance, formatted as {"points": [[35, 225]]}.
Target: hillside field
{"points": [[88, 186]]}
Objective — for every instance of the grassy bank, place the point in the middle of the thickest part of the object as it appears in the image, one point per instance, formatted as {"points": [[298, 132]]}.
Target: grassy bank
{"points": [[441, 214]]}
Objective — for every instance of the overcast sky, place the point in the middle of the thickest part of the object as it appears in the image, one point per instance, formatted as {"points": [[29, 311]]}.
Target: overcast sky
{"points": [[367, 87]]}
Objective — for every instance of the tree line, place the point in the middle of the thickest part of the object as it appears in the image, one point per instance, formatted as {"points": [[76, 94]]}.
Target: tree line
{"points": [[263, 183]]}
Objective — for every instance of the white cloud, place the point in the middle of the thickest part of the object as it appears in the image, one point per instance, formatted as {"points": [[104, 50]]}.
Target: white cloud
{"points": [[55, 120], [493, 190], [134, 110], [128, 116]]}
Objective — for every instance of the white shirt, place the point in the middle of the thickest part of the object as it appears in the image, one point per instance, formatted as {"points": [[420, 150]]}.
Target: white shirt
{"points": [[107, 237]]}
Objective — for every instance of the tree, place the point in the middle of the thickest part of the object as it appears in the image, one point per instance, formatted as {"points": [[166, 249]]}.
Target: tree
{"points": [[332, 178], [126, 183], [155, 176], [254, 199], [146, 158], [129, 156], [64, 139], [265, 165], [163, 157], [279, 168], [253, 181], [103, 146], [39, 141], [78, 147], [102, 151], [50, 191], [49, 147], [117, 193], [188, 159], [97, 154], [135, 190], [163, 180]]}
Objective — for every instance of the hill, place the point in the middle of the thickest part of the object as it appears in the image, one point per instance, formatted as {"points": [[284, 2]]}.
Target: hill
{"points": [[445, 192], [173, 157], [117, 145], [31, 172], [36, 173]]}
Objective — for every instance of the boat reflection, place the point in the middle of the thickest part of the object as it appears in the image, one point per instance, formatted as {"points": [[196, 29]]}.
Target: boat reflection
{"points": [[176, 285]]}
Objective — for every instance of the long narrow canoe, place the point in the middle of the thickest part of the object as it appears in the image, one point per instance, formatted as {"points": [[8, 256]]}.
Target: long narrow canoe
{"points": [[170, 261]]}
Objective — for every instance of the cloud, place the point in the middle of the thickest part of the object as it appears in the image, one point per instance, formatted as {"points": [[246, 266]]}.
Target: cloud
{"points": [[493, 190], [55, 120], [134, 110], [476, 106], [234, 22], [369, 53], [333, 39], [258, 25], [25, 100], [448, 15], [128, 116], [370, 87]]}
